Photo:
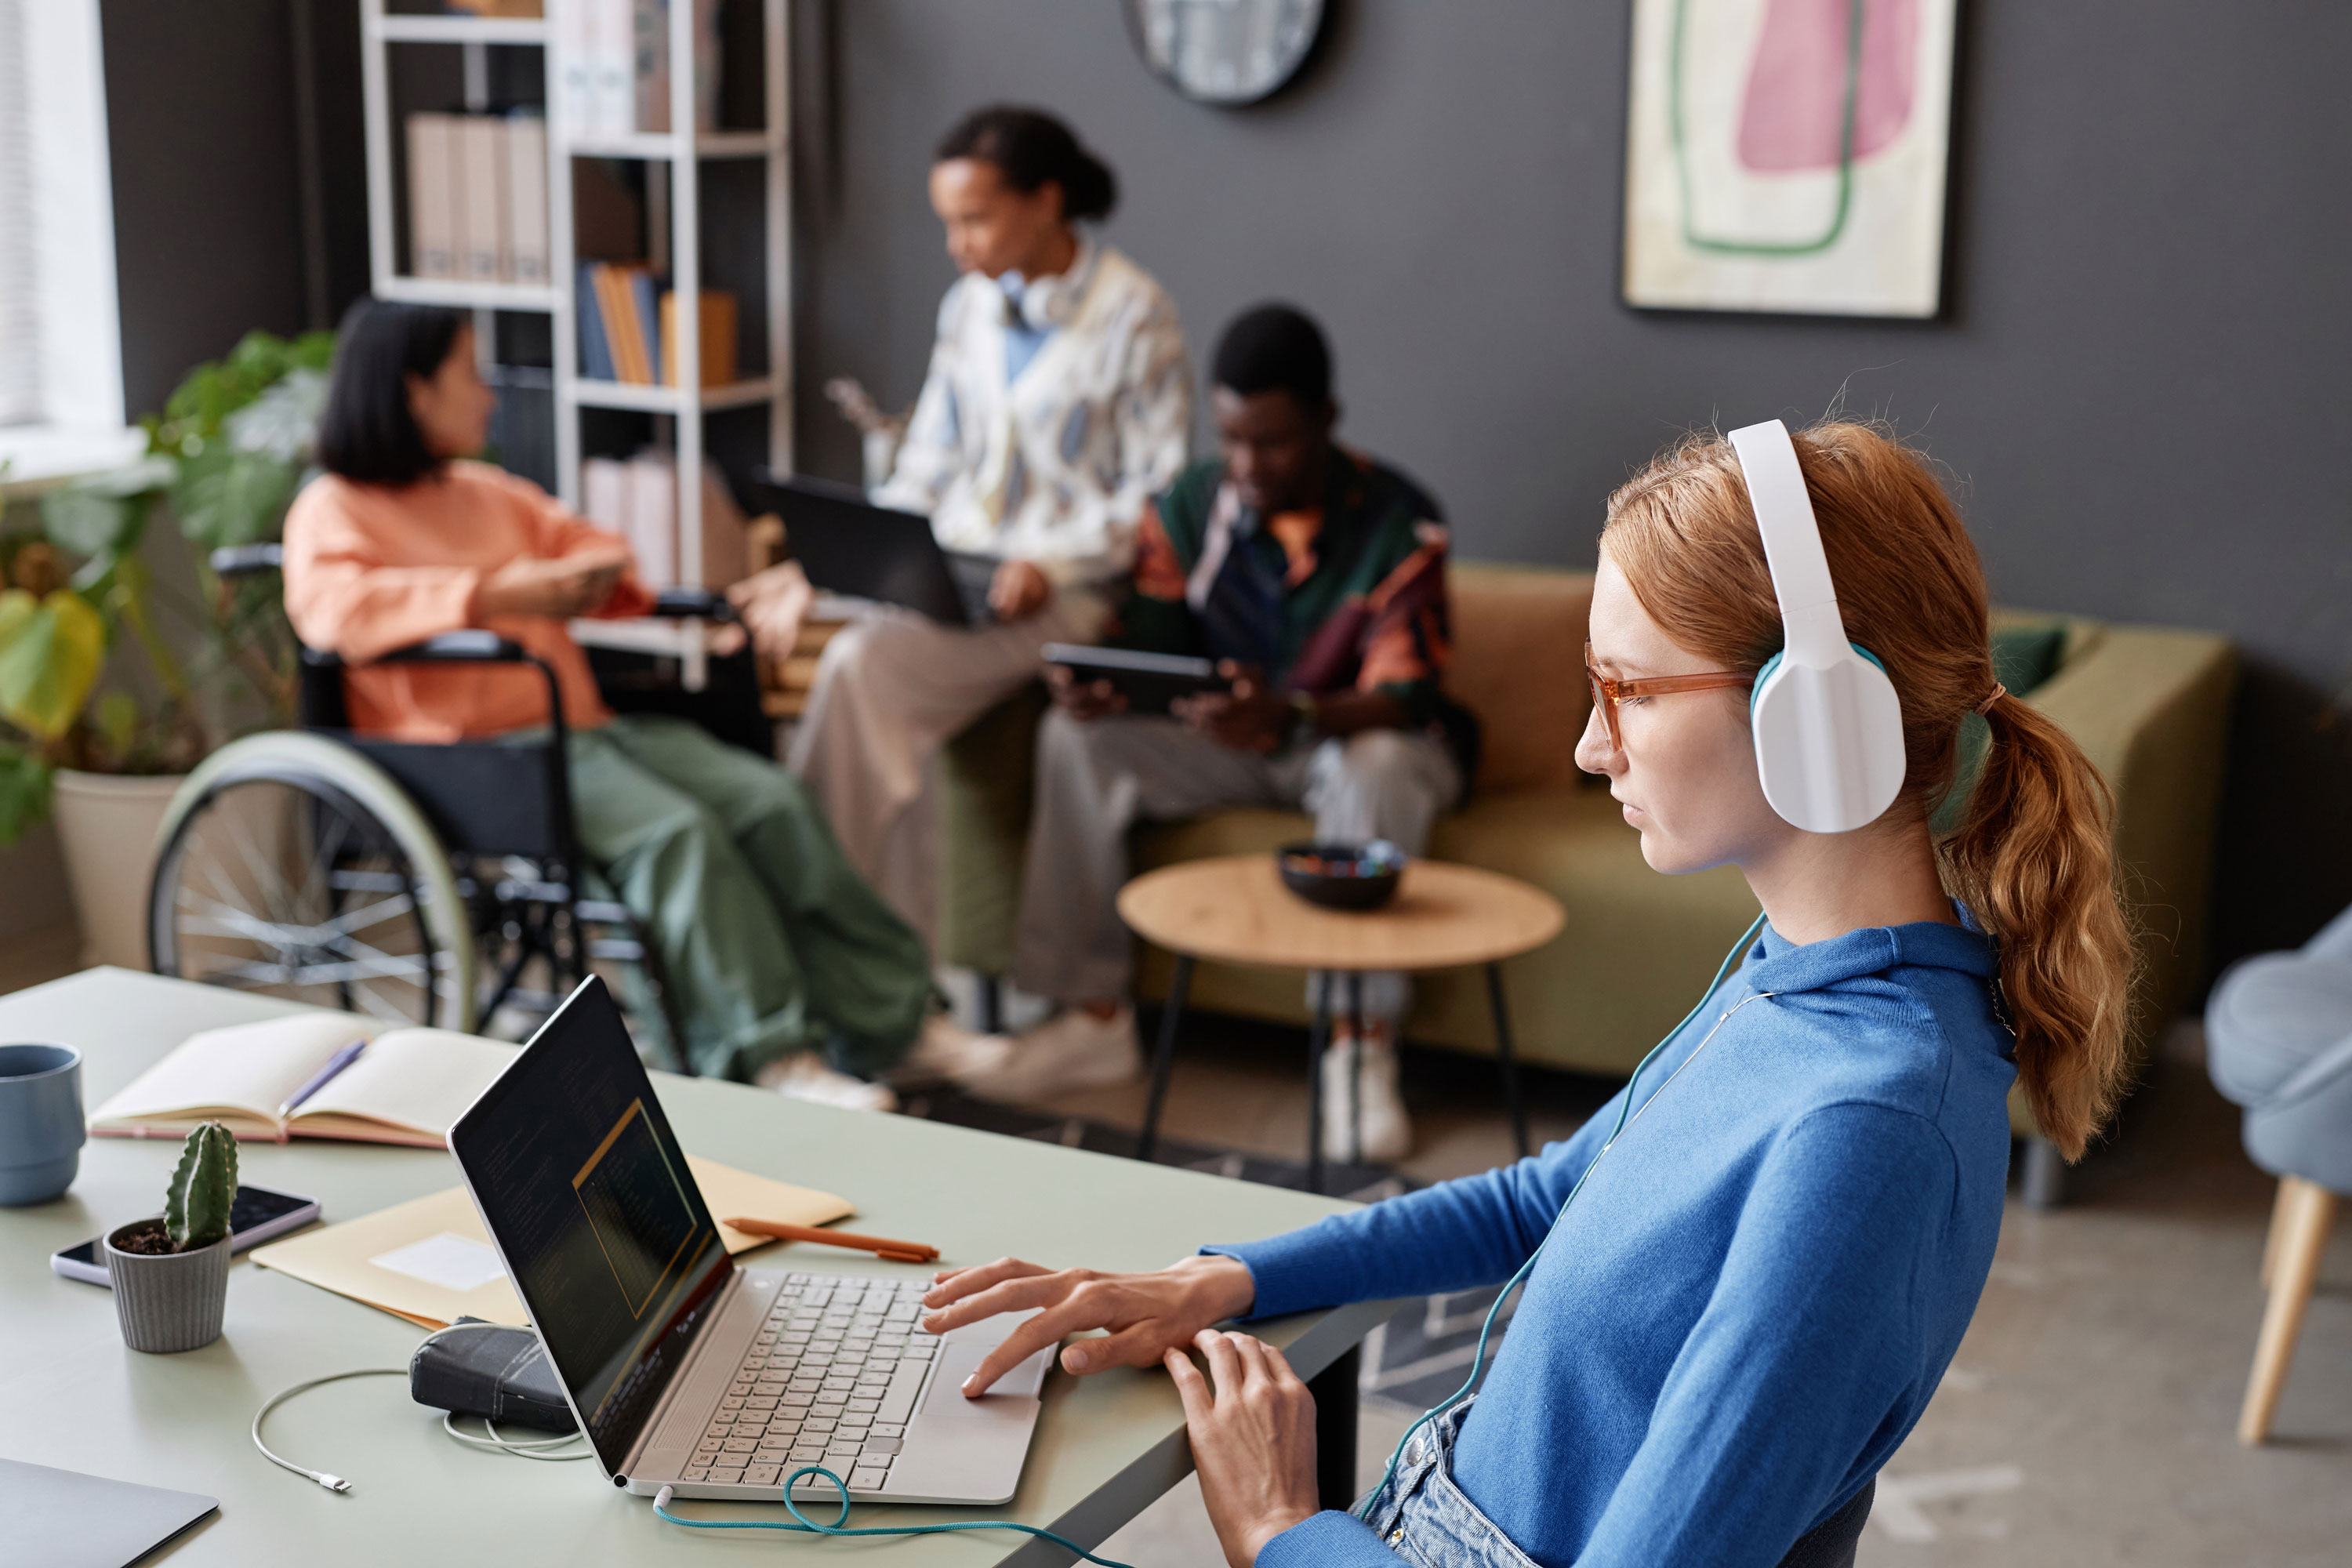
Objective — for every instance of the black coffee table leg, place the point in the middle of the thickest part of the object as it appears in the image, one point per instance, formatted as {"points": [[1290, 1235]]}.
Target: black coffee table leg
{"points": [[1317, 1034], [1334, 1389], [1508, 1059], [1356, 1067], [1163, 1057]]}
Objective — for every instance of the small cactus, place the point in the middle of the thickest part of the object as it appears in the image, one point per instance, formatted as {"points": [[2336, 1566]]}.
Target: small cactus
{"points": [[204, 1189]]}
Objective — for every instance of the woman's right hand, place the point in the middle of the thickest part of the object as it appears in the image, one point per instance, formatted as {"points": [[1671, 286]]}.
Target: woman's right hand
{"points": [[1146, 1314], [562, 587], [1085, 700]]}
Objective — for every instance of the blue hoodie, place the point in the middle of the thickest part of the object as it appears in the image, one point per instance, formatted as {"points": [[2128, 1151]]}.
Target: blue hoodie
{"points": [[1752, 1299]]}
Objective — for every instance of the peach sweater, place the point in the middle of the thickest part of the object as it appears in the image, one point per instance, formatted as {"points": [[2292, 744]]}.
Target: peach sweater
{"points": [[370, 568]]}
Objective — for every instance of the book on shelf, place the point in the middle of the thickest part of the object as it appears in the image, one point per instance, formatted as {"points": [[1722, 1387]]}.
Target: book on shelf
{"points": [[715, 343], [298, 1076], [636, 498], [477, 198], [629, 327], [614, 65], [432, 195]]}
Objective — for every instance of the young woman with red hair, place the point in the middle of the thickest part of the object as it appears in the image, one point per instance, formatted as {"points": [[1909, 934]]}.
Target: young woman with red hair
{"points": [[1776, 1250]]}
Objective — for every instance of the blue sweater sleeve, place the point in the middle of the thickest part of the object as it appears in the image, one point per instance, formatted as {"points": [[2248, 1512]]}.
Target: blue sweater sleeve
{"points": [[1798, 1362], [1451, 1237]]}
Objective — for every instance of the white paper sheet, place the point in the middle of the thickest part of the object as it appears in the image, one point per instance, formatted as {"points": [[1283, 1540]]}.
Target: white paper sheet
{"points": [[451, 1262]]}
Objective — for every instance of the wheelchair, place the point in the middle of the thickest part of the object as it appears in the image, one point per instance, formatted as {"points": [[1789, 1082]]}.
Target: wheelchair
{"points": [[419, 883]]}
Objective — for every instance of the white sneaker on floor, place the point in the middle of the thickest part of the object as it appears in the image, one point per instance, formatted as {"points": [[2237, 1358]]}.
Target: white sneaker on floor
{"points": [[1073, 1049], [947, 1052], [1387, 1128], [803, 1076]]}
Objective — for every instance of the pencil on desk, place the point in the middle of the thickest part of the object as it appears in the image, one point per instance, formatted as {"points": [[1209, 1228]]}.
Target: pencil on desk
{"points": [[881, 1247]]}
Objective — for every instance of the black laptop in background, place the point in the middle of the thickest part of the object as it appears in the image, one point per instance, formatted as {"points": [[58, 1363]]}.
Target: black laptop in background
{"points": [[847, 545]]}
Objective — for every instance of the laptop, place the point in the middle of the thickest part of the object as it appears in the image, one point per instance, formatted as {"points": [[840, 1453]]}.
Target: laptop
{"points": [[683, 1369], [847, 545]]}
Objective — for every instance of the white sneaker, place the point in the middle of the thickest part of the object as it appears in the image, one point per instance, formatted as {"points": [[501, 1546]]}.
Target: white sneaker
{"points": [[803, 1076], [946, 1051], [1073, 1049], [1387, 1129]]}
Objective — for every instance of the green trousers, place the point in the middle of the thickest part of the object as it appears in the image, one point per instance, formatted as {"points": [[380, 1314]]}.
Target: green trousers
{"points": [[768, 942]]}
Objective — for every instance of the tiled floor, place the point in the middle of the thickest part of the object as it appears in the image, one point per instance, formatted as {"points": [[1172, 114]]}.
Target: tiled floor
{"points": [[2088, 1419]]}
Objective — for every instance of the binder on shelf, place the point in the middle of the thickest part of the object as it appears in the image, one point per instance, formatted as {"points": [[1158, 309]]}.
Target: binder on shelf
{"points": [[611, 29], [526, 210], [432, 195], [636, 498], [482, 220], [716, 338], [573, 35]]}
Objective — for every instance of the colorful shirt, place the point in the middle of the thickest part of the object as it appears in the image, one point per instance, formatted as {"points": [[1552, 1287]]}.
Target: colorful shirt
{"points": [[1347, 597], [1054, 465], [369, 568]]}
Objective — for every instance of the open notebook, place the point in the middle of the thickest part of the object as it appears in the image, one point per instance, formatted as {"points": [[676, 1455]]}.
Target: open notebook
{"points": [[406, 1087]]}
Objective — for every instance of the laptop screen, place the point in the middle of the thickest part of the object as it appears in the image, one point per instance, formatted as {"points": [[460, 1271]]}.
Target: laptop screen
{"points": [[603, 1231]]}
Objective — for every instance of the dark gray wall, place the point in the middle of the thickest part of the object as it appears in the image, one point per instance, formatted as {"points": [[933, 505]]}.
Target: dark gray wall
{"points": [[200, 128], [2140, 382]]}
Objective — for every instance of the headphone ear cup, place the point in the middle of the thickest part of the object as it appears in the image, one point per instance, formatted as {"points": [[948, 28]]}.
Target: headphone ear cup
{"points": [[1828, 742], [1755, 692]]}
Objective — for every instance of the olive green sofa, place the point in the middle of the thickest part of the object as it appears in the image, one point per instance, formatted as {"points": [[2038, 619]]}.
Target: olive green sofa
{"points": [[2150, 705]]}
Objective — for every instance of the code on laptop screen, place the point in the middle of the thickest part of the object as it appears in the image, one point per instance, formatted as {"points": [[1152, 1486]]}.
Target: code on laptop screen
{"points": [[582, 1182]]}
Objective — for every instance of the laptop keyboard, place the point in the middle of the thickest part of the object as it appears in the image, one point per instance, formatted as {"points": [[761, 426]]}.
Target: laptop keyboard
{"points": [[831, 1380]]}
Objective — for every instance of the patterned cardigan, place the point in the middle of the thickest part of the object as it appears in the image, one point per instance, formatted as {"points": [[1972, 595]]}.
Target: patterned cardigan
{"points": [[1058, 467]]}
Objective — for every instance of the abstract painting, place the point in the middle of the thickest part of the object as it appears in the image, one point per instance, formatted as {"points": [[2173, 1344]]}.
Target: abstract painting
{"points": [[1789, 155]]}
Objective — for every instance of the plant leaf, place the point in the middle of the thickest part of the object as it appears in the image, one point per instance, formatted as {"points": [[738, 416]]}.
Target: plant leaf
{"points": [[24, 791], [229, 497], [50, 651]]}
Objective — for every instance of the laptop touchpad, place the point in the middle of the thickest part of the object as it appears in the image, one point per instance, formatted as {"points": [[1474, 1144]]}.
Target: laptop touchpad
{"points": [[957, 1362]]}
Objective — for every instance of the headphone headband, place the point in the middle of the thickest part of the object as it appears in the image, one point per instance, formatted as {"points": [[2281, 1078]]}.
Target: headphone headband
{"points": [[1828, 726]]}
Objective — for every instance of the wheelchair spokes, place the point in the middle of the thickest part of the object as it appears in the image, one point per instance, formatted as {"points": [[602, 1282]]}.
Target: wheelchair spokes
{"points": [[286, 886]]}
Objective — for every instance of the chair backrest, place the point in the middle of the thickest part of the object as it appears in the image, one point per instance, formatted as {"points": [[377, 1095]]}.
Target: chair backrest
{"points": [[1518, 665]]}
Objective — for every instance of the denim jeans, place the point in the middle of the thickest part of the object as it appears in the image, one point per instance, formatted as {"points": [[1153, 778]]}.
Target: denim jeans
{"points": [[1426, 1519]]}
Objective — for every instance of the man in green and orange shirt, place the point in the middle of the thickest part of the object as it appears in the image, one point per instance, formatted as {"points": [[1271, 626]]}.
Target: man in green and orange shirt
{"points": [[1316, 577]]}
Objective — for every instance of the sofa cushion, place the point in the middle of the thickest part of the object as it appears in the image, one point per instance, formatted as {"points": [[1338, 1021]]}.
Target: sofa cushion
{"points": [[1518, 665]]}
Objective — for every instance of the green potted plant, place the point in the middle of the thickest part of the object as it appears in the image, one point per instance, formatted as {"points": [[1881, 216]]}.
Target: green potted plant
{"points": [[171, 1275], [114, 680]]}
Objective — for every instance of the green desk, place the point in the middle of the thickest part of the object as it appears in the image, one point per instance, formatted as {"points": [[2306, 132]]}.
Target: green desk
{"points": [[72, 1396]]}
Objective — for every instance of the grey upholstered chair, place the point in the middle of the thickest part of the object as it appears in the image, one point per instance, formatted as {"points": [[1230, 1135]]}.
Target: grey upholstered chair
{"points": [[2278, 1036]]}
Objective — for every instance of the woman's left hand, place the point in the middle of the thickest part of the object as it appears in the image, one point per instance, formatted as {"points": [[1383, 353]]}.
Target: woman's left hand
{"points": [[1018, 591], [1253, 1440]]}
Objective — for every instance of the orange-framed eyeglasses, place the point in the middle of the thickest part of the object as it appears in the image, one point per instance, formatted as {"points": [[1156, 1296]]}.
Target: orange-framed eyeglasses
{"points": [[1608, 693]]}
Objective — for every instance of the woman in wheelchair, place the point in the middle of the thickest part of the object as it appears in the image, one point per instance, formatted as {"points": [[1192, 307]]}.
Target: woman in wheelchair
{"points": [[776, 954]]}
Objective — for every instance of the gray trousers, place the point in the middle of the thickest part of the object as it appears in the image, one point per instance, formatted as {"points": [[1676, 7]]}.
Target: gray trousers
{"points": [[1097, 781], [891, 688]]}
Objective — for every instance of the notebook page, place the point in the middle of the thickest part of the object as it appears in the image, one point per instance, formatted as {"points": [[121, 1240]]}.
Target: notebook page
{"points": [[415, 1081], [246, 1069]]}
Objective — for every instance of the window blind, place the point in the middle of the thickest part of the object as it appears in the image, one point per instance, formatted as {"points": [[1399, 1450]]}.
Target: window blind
{"points": [[20, 316]]}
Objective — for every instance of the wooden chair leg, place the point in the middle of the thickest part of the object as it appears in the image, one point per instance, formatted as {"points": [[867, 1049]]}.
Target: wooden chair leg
{"points": [[2308, 1212], [2281, 1207]]}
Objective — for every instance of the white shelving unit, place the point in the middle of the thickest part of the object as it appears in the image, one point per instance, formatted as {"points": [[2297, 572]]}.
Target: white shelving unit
{"points": [[676, 158]]}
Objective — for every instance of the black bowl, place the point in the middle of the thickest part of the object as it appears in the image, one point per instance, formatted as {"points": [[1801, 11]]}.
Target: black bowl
{"points": [[1343, 876]]}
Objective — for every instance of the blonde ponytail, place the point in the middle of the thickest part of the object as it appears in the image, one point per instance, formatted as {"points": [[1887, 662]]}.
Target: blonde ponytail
{"points": [[2033, 857]]}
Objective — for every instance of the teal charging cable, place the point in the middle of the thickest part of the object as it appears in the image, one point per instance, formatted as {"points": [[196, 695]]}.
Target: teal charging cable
{"points": [[840, 1525], [1478, 1360]]}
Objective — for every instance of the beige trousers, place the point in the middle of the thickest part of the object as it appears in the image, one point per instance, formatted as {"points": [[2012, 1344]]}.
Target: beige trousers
{"points": [[892, 688]]}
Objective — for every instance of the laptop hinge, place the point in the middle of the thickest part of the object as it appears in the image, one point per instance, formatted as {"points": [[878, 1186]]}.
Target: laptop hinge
{"points": [[685, 1373]]}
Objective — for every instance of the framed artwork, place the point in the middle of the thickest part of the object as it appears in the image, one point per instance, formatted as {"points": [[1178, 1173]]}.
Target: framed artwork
{"points": [[1789, 155]]}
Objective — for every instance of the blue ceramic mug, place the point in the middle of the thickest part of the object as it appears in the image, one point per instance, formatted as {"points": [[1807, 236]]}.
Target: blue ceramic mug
{"points": [[40, 1122]]}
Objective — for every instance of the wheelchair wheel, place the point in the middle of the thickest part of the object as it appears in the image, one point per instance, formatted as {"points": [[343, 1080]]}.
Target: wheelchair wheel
{"points": [[293, 865]]}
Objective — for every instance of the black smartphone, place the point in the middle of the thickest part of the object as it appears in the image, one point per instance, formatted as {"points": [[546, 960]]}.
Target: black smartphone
{"points": [[258, 1215]]}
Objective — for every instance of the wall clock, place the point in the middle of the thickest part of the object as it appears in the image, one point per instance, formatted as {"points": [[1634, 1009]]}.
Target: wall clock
{"points": [[1224, 51]]}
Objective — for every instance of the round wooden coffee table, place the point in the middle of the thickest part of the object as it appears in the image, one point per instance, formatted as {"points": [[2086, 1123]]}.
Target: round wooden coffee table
{"points": [[1235, 910]]}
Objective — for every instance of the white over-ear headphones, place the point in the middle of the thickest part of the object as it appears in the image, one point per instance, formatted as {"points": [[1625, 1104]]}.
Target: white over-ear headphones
{"points": [[1828, 726]]}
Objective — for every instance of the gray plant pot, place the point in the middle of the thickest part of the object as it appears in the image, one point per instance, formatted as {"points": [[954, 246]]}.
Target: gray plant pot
{"points": [[169, 1301]]}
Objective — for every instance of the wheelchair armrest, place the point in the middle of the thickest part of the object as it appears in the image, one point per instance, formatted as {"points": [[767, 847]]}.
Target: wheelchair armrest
{"points": [[695, 603], [247, 560], [471, 646]]}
